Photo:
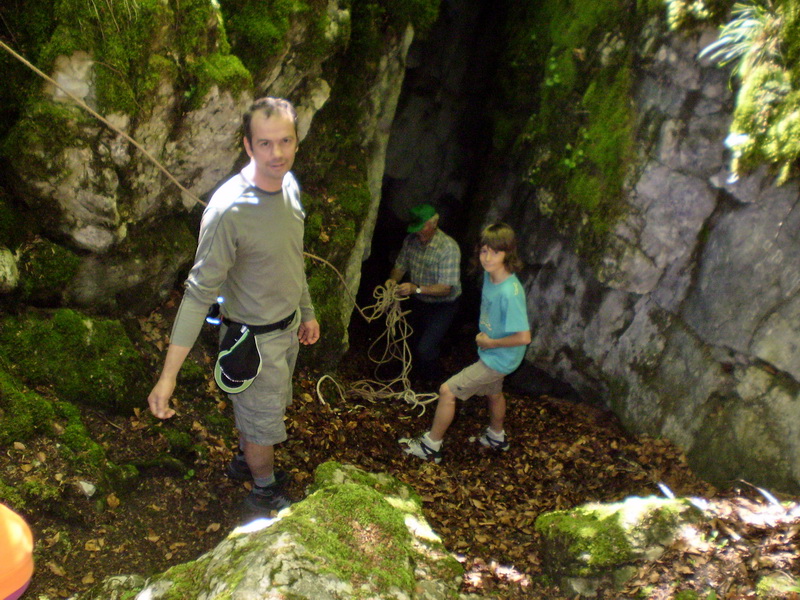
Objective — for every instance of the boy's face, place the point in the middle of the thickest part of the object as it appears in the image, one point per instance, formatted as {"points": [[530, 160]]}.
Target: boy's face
{"points": [[492, 261]]}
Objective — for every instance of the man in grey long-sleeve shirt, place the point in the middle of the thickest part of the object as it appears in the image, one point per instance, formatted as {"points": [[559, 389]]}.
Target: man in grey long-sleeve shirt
{"points": [[250, 253]]}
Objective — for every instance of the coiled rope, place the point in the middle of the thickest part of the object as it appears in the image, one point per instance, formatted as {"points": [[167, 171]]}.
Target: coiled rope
{"points": [[394, 341]]}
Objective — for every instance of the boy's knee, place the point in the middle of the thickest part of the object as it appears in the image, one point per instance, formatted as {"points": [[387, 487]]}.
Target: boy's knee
{"points": [[445, 394]]}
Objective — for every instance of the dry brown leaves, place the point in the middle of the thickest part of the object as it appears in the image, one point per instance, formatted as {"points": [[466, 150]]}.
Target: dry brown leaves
{"points": [[483, 504]]}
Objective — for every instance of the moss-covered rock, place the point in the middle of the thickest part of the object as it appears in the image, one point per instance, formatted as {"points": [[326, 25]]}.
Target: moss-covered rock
{"points": [[599, 542], [25, 415], [357, 535], [566, 110], [45, 270], [85, 360], [761, 43]]}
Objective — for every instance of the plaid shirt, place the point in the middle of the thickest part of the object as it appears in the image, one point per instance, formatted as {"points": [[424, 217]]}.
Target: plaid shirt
{"points": [[438, 261]]}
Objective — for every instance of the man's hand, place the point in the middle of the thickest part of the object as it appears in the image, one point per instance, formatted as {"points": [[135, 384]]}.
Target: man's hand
{"points": [[406, 289], [484, 341], [159, 398], [308, 333]]}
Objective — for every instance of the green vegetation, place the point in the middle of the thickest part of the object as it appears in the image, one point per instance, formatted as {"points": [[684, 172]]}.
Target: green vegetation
{"points": [[135, 48], [570, 84], [762, 44], [31, 25], [365, 540], [24, 415], [32, 136], [687, 14], [258, 29], [85, 360], [45, 269], [352, 526], [598, 540]]}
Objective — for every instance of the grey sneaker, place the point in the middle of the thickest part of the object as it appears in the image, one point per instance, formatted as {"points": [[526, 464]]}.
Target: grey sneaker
{"points": [[489, 441], [264, 500], [417, 447]]}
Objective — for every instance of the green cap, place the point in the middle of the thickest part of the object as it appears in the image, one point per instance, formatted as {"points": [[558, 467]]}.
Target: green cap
{"points": [[420, 215]]}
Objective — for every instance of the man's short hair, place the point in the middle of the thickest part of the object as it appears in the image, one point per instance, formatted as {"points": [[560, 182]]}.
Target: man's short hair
{"points": [[269, 106]]}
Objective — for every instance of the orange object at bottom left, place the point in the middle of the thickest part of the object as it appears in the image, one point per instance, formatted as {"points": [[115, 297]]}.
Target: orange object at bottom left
{"points": [[16, 554]]}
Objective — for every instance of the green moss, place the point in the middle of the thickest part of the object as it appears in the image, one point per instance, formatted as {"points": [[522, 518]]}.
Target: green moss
{"points": [[570, 115], [688, 14], [364, 541], [223, 70], [332, 473], [85, 360], [182, 578], [26, 32], [192, 373], [23, 413], [762, 43], [258, 29], [31, 139], [11, 496], [599, 541], [45, 270], [179, 441], [420, 14]]}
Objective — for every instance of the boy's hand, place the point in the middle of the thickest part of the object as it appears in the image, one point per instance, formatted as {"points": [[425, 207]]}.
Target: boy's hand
{"points": [[484, 341]]}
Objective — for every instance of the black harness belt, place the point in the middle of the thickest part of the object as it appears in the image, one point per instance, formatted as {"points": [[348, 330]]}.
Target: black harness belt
{"points": [[259, 329]]}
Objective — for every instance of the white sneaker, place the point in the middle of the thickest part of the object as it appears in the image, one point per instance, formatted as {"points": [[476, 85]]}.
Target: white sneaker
{"points": [[417, 447], [489, 441]]}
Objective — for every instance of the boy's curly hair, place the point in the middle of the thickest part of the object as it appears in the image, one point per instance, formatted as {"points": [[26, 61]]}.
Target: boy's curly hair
{"points": [[501, 238]]}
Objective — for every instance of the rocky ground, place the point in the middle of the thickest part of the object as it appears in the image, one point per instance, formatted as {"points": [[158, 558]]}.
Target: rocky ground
{"points": [[482, 504]]}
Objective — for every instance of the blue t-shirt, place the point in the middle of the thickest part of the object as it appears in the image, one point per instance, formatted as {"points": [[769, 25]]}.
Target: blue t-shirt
{"points": [[503, 312]]}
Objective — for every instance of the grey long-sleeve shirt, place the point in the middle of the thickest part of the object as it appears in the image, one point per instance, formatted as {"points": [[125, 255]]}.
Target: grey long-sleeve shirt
{"points": [[249, 252]]}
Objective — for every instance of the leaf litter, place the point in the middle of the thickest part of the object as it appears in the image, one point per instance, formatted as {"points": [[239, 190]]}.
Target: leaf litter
{"points": [[483, 504]]}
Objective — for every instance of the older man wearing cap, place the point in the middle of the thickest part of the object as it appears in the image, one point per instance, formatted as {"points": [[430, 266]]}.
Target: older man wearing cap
{"points": [[431, 258]]}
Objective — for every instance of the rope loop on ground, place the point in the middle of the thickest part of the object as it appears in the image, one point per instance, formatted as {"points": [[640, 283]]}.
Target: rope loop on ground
{"points": [[391, 345]]}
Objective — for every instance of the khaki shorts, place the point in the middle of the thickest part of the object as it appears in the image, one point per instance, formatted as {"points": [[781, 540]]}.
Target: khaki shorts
{"points": [[259, 409], [476, 380]]}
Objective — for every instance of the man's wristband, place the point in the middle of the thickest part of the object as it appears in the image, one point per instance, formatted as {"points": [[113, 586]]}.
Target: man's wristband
{"points": [[419, 290]]}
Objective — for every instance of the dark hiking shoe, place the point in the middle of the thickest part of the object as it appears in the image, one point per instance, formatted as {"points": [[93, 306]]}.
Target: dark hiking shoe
{"points": [[265, 500], [238, 470]]}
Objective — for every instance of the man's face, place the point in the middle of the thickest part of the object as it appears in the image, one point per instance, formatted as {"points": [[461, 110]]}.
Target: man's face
{"points": [[426, 233], [272, 149]]}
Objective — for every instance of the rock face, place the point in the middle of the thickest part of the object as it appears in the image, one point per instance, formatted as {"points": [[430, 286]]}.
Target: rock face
{"points": [[116, 205], [689, 327], [357, 535]]}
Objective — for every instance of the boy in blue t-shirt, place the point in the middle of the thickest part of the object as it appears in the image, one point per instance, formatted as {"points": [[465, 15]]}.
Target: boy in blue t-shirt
{"points": [[504, 334]]}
